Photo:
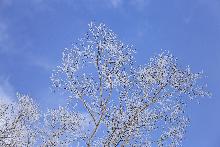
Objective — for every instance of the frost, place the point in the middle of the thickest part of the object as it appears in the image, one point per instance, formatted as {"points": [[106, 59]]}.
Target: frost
{"points": [[128, 105], [115, 102], [18, 122]]}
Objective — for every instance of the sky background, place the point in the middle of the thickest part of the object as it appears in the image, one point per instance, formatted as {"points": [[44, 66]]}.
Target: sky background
{"points": [[33, 34]]}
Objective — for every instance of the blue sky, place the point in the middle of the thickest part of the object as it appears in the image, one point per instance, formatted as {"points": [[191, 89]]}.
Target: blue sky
{"points": [[33, 34]]}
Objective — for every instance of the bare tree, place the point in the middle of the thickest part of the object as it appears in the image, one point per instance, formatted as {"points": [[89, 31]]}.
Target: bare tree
{"points": [[117, 103], [18, 122], [111, 101], [61, 127]]}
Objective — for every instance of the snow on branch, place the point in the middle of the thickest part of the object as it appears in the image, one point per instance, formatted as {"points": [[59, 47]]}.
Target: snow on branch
{"points": [[130, 105], [115, 102]]}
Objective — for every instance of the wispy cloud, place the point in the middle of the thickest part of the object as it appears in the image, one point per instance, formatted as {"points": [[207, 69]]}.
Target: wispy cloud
{"points": [[136, 4], [116, 3], [8, 47], [140, 4], [4, 37], [7, 93], [39, 61]]}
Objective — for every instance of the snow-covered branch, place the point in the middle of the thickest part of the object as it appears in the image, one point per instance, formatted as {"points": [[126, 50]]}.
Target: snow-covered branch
{"points": [[115, 102]]}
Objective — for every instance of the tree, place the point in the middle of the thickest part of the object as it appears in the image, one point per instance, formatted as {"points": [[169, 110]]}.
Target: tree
{"points": [[126, 105], [111, 100], [18, 122]]}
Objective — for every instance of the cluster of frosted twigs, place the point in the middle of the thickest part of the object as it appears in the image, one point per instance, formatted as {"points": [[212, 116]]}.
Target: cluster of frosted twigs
{"points": [[111, 100]]}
